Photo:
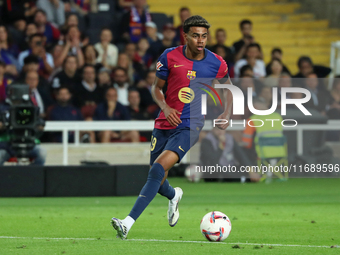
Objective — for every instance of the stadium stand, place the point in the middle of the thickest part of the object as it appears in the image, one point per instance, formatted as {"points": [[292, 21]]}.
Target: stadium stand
{"points": [[276, 24]]}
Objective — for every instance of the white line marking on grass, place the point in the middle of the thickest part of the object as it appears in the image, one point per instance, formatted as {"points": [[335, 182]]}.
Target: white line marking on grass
{"points": [[162, 241], [183, 241]]}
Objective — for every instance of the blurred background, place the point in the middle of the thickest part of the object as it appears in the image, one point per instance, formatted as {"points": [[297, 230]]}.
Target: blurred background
{"points": [[75, 77]]}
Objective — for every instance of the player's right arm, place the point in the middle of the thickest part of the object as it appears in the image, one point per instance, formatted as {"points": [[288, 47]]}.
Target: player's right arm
{"points": [[157, 93]]}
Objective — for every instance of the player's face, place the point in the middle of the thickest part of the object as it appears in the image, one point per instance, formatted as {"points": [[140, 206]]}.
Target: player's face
{"points": [[197, 39]]}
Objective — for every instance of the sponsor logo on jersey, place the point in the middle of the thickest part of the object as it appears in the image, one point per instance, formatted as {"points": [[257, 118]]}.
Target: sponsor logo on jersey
{"points": [[186, 95], [159, 65], [191, 75]]}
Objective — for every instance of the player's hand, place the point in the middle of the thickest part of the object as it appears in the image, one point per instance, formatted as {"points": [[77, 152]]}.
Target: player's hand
{"points": [[223, 126], [172, 116]]}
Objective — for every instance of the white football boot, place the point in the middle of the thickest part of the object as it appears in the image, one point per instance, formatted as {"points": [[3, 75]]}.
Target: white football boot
{"points": [[173, 213], [121, 229]]}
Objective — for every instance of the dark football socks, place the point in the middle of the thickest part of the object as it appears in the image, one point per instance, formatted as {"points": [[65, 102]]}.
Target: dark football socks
{"points": [[149, 191], [167, 190]]}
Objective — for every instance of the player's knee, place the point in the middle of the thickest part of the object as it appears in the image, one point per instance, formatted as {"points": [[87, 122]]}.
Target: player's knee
{"points": [[156, 172]]}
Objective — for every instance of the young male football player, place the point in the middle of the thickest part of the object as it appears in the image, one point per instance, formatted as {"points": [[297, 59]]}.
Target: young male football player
{"points": [[180, 121]]}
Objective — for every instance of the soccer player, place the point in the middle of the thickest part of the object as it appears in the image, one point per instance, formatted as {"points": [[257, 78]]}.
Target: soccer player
{"points": [[180, 121]]}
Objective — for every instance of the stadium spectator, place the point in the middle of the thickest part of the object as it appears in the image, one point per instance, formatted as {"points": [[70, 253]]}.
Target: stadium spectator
{"points": [[217, 148], [72, 46], [83, 7], [46, 63], [63, 110], [133, 22], [72, 20], [125, 4], [252, 53], [248, 82], [158, 47], [31, 64], [184, 13], [69, 76], [307, 67], [18, 11], [240, 47], [38, 95], [266, 95], [276, 69], [55, 11], [104, 78], [50, 32], [137, 69], [136, 112], [221, 38], [142, 56], [130, 50], [4, 82], [108, 52], [276, 54], [246, 71], [125, 62], [121, 84], [8, 52], [91, 56], [285, 81], [144, 89], [112, 110], [334, 111], [30, 30], [151, 32], [87, 92], [56, 52], [321, 98]]}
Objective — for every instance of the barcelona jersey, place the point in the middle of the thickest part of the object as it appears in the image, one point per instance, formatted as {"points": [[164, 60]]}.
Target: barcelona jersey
{"points": [[187, 80]]}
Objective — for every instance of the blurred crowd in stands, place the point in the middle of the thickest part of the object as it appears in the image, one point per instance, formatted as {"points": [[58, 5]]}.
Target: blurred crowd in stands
{"points": [[86, 61]]}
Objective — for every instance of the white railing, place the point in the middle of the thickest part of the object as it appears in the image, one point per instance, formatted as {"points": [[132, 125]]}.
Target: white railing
{"points": [[334, 62], [76, 126]]}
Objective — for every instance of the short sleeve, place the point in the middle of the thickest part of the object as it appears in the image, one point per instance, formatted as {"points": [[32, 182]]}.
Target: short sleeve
{"points": [[223, 70], [162, 70]]}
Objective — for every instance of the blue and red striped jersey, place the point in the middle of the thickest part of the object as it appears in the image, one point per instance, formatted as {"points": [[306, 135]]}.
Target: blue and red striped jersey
{"points": [[185, 80]]}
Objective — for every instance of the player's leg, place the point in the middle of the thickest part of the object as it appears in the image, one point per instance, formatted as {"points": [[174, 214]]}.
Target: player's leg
{"points": [[148, 192], [155, 178]]}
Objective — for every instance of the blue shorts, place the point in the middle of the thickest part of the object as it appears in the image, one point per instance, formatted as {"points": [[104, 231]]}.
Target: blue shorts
{"points": [[177, 140]]}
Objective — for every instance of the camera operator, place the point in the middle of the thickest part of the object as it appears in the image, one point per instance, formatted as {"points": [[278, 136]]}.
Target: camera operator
{"points": [[27, 136]]}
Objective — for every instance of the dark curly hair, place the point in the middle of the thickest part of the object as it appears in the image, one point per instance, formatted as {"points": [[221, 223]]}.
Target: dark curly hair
{"points": [[195, 21]]}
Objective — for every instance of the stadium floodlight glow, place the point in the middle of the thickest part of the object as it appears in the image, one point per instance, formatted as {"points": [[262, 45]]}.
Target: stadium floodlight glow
{"points": [[238, 100]]}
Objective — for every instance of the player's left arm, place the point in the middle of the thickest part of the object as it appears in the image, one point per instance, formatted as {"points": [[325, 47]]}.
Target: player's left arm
{"points": [[223, 78]]}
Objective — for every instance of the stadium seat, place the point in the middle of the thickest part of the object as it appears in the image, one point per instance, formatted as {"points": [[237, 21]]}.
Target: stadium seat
{"points": [[94, 35], [108, 6], [275, 24], [100, 20]]}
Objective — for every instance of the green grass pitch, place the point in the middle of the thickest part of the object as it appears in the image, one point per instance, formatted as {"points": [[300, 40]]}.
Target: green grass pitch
{"points": [[301, 216]]}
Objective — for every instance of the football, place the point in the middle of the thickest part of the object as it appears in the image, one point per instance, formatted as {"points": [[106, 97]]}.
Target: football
{"points": [[192, 175], [215, 226]]}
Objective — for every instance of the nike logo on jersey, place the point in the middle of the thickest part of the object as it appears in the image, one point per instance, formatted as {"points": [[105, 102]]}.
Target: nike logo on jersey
{"points": [[181, 148], [178, 66]]}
